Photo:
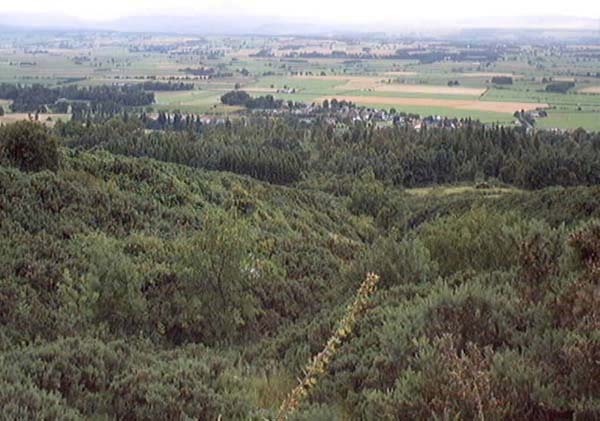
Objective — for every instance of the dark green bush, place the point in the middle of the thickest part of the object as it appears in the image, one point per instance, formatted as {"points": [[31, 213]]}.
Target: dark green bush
{"points": [[78, 371], [29, 147], [195, 387]]}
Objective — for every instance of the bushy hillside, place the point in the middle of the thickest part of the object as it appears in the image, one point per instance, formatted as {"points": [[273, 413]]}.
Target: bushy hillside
{"points": [[137, 289]]}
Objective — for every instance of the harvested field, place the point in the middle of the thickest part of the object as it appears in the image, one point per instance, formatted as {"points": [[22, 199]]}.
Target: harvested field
{"points": [[591, 90], [348, 82], [490, 75], [428, 89], [474, 105], [258, 90], [48, 119], [375, 83], [401, 73]]}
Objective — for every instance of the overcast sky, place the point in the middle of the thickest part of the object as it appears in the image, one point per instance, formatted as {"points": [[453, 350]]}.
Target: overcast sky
{"points": [[338, 11]]}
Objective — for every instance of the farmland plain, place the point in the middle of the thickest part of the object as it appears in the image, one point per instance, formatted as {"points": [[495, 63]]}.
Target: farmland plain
{"points": [[311, 70]]}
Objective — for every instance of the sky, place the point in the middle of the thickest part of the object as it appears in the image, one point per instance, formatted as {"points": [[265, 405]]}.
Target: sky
{"points": [[335, 11]]}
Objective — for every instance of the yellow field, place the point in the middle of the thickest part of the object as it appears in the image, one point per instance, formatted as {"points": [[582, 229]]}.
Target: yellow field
{"points": [[458, 104], [429, 89], [591, 90], [401, 73], [375, 84], [48, 119], [490, 75]]}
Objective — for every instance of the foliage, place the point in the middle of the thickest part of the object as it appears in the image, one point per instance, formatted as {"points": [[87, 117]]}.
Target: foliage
{"points": [[502, 80], [28, 146], [479, 240], [283, 149], [561, 87], [36, 98], [143, 278]]}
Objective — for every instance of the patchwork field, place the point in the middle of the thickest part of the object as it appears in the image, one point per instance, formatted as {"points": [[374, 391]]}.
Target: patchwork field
{"points": [[310, 70]]}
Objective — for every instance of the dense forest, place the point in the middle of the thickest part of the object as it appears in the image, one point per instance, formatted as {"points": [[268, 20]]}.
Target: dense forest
{"points": [[287, 149], [39, 98], [197, 274]]}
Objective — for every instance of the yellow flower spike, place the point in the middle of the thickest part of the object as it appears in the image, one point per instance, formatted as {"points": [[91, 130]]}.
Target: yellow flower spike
{"points": [[319, 363]]}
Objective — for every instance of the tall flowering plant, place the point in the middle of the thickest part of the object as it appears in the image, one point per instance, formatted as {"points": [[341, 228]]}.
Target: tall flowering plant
{"points": [[319, 363]]}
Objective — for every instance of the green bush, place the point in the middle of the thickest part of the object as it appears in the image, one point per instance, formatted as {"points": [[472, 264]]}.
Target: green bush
{"points": [[481, 239], [398, 261], [182, 387], [208, 297], [113, 286], [29, 146], [79, 371], [21, 400], [367, 196]]}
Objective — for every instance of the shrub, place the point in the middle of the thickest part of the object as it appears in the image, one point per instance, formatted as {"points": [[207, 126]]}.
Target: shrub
{"points": [[78, 371], [21, 400], [368, 195], [399, 261], [481, 239], [502, 80], [29, 146], [208, 297], [113, 286], [236, 98], [196, 387], [446, 385]]}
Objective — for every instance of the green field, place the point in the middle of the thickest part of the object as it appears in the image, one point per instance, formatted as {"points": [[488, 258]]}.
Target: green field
{"points": [[571, 120]]}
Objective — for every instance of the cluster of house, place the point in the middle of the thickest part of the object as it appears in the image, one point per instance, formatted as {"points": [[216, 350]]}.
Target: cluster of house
{"points": [[526, 119], [349, 112]]}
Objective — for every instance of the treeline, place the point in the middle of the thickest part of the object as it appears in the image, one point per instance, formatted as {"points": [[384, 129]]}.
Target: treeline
{"points": [[242, 98], [409, 158], [423, 56], [207, 72], [219, 148], [502, 80], [397, 156], [173, 121], [426, 57], [560, 87], [167, 86], [39, 98]]}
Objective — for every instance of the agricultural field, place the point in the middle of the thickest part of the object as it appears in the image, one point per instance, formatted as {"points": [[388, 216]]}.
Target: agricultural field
{"points": [[373, 73]]}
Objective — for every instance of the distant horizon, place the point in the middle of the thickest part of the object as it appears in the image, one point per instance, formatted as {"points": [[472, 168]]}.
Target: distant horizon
{"points": [[238, 23], [375, 15]]}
